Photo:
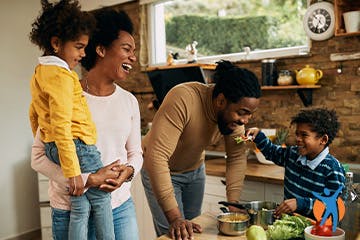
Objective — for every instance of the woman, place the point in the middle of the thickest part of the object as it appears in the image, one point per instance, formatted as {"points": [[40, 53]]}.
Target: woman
{"points": [[109, 57]]}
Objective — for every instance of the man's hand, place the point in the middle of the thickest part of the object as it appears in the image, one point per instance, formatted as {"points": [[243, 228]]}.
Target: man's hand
{"points": [[76, 186], [179, 228], [287, 206], [182, 229]]}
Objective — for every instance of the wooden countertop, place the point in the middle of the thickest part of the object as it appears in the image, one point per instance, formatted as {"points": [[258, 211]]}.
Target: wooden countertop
{"points": [[255, 171], [208, 223]]}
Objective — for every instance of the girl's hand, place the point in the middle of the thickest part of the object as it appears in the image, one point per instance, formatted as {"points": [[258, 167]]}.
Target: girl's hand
{"points": [[76, 186]]}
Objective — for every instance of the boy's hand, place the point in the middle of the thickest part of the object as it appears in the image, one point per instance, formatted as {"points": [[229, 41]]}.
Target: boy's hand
{"points": [[252, 132], [287, 206], [76, 186]]}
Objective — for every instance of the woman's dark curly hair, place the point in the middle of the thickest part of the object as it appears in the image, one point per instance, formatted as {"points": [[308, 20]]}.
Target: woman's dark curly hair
{"points": [[64, 20], [109, 23], [234, 82], [321, 120]]}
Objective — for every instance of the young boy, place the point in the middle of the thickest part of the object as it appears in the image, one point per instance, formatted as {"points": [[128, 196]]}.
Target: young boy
{"points": [[309, 167]]}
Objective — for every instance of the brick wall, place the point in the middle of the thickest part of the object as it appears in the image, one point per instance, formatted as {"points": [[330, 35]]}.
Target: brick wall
{"points": [[339, 91]]}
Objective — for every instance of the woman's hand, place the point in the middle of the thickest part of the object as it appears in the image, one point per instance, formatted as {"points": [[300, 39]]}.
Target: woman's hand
{"points": [[124, 173], [99, 179], [287, 206]]}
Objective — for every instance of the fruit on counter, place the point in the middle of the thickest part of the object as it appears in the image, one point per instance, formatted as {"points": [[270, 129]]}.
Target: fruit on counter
{"points": [[255, 232], [324, 230]]}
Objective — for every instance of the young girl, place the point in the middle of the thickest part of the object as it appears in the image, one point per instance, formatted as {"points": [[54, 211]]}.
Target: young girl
{"points": [[60, 111]]}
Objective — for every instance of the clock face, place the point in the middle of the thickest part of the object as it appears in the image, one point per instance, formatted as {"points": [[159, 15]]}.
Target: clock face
{"points": [[319, 21]]}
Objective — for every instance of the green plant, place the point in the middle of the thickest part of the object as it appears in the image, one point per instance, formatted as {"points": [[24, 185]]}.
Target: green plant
{"points": [[281, 136]]}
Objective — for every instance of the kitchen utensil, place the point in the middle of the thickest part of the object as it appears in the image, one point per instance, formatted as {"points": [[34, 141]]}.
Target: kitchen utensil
{"points": [[308, 75], [261, 212], [338, 235], [233, 223]]}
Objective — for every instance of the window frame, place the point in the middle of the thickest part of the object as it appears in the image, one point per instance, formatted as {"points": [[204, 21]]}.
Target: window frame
{"points": [[157, 39]]}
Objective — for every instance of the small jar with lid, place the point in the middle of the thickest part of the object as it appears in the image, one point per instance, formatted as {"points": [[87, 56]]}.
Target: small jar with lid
{"points": [[285, 78]]}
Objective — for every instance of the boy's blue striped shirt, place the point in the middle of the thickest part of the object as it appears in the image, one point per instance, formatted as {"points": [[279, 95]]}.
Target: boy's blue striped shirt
{"points": [[299, 180]]}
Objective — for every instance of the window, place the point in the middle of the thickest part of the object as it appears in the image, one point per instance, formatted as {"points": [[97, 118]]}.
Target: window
{"points": [[234, 30]]}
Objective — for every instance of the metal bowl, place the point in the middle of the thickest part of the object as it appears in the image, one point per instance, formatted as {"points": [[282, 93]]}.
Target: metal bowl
{"points": [[233, 223], [262, 213]]}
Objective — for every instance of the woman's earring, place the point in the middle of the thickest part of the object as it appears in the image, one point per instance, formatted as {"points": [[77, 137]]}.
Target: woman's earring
{"points": [[56, 50]]}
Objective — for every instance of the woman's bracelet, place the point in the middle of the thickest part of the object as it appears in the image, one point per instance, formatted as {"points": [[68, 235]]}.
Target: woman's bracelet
{"points": [[132, 174]]}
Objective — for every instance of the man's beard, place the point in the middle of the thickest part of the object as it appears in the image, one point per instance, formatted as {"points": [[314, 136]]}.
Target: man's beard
{"points": [[222, 125]]}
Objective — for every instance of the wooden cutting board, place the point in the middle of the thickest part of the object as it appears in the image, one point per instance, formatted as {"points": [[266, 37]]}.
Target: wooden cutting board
{"points": [[208, 223]]}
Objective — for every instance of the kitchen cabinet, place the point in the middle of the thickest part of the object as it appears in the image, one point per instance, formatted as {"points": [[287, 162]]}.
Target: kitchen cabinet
{"points": [[45, 209], [143, 214], [252, 191], [341, 6]]}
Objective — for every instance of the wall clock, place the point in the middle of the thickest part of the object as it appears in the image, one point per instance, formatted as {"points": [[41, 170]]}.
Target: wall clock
{"points": [[319, 21]]}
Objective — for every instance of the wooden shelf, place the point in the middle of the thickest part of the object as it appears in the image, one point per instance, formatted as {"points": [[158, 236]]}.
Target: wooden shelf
{"points": [[341, 6], [304, 91], [174, 66], [290, 87]]}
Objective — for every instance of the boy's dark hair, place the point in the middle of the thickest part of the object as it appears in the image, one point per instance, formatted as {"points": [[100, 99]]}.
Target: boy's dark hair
{"points": [[64, 20], [109, 23], [234, 82], [322, 121]]}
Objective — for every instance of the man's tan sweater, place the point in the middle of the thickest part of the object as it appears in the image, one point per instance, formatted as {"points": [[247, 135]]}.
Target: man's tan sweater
{"points": [[182, 128]]}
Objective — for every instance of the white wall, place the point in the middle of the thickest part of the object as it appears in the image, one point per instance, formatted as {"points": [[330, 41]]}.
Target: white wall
{"points": [[19, 212]]}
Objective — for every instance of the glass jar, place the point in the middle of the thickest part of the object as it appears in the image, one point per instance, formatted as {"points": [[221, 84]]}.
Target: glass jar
{"points": [[284, 78]]}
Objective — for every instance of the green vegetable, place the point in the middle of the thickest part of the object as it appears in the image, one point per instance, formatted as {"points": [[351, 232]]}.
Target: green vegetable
{"points": [[288, 227], [255, 232], [241, 139]]}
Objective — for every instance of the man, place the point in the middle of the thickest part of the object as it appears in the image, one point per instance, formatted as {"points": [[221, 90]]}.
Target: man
{"points": [[191, 117]]}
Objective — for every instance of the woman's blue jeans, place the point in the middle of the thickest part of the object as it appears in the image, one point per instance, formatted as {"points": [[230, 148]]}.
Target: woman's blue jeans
{"points": [[189, 193], [125, 225], [93, 199]]}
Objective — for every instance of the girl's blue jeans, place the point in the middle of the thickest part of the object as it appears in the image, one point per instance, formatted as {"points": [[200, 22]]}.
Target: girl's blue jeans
{"points": [[125, 225], [93, 199]]}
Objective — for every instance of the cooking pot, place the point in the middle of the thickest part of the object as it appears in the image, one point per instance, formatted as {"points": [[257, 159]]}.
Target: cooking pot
{"points": [[261, 212], [308, 75], [232, 223]]}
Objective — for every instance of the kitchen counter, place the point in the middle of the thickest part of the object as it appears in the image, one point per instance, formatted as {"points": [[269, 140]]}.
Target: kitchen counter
{"points": [[255, 171], [208, 223]]}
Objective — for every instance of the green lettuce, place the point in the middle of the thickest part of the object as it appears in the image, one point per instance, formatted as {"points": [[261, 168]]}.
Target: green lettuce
{"points": [[287, 227]]}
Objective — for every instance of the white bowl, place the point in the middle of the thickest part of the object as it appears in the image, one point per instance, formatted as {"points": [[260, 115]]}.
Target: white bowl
{"points": [[338, 235]]}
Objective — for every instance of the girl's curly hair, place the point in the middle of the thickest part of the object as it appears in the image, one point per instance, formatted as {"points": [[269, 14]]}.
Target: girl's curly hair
{"points": [[64, 20]]}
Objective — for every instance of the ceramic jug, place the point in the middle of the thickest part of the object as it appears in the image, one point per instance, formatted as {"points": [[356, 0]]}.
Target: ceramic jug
{"points": [[308, 75]]}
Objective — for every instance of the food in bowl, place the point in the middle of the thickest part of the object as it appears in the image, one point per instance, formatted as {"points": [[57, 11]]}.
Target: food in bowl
{"points": [[339, 234], [235, 217], [233, 223]]}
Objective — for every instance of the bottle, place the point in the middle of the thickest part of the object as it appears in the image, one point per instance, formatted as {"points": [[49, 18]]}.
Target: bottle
{"points": [[349, 195], [351, 221], [269, 72]]}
